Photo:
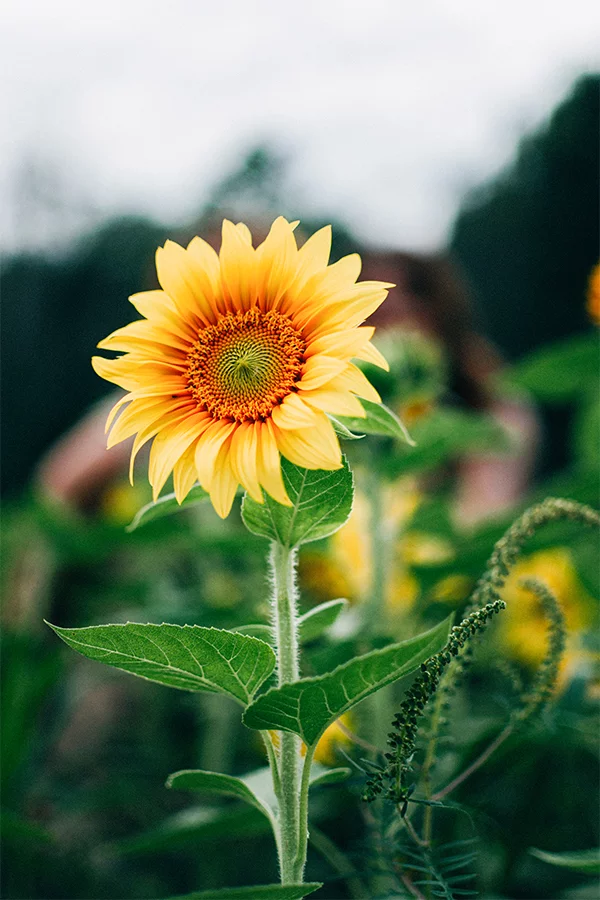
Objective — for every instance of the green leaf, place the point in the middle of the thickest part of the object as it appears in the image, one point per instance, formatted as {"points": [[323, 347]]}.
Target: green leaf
{"points": [[321, 775], [379, 419], [190, 657], [203, 782], [580, 860], [257, 630], [586, 429], [321, 503], [444, 434], [255, 788], [307, 707], [166, 506], [344, 433], [314, 622], [561, 371], [20, 831], [260, 892]]}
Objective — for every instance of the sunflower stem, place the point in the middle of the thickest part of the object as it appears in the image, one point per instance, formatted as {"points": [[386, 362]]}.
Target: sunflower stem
{"points": [[292, 843]]}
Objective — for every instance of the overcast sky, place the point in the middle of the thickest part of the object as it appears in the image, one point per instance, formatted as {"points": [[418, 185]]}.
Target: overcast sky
{"points": [[388, 109]]}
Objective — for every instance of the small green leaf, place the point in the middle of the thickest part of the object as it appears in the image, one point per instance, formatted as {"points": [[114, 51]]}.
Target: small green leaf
{"points": [[166, 506], [307, 707], [314, 622], [443, 435], [561, 371], [321, 775], [580, 860], [260, 892], [379, 419], [321, 503], [190, 657], [344, 433], [203, 782]]}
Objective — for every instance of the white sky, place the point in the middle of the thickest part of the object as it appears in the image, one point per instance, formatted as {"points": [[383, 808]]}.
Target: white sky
{"points": [[389, 109]]}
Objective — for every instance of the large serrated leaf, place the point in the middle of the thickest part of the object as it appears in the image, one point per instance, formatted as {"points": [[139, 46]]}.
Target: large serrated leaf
{"points": [[166, 506], [203, 782], [188, 657], [321, 503], [307, 707], [379, 419], [580, 860], [260, 892]]}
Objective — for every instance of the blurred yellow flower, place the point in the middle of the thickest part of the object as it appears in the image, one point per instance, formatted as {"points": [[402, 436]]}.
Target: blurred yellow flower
{"points": [[523, 628], [453, 589], [420, 548], [351, 549], [332, 739], [119, 503], [593, 295], [239, 358]]}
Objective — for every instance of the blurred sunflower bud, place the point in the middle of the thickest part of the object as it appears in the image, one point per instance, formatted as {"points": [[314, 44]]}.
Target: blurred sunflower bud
{"points": [[523, 627], [418, 373], [593, 295]]}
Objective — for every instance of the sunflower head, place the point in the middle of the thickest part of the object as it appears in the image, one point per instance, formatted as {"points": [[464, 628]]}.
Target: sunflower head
{"points": [[239, 358]]}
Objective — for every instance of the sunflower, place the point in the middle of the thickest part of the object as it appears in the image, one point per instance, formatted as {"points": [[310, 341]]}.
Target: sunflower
{"points": [[239, 358]]}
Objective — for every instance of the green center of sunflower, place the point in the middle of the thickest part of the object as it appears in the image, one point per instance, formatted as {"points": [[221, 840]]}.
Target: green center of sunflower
{"points": [[245, 365]]}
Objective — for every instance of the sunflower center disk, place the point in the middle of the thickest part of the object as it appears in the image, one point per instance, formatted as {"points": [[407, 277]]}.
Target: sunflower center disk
{"points": [[245, 365]]}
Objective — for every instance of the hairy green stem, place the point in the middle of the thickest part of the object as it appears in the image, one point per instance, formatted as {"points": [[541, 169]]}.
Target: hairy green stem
{"points": [[374, 608], [303, 812], [292, 833]]}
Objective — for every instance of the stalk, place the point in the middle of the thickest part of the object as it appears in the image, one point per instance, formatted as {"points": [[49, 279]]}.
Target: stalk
{"points": [[292, 833]]}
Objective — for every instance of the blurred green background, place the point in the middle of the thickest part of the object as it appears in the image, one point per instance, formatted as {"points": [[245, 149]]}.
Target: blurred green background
{"points": [[86, 751]]}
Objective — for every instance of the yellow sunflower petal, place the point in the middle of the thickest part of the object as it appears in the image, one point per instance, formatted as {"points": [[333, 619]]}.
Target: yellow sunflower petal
{"points": [[334, 402], [343, 344], [208, 448], [184, 474], [269, 464], [208, 270], [224, 484], [146, 434], [352, 379], [277, 256], [293, 413], [312, 259], [160, 310], [169, 445], [346, 312], [185, 282], [371, 354], [321, 287], [243, 455], [138, 415], [317, 449], [318, 370], [143, 333], [238, 268]]}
